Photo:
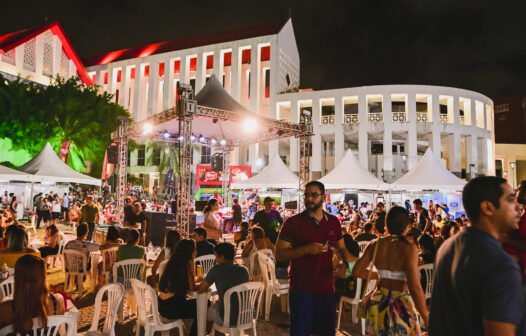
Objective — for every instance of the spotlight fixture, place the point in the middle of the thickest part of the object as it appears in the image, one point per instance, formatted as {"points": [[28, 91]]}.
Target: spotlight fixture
{"points": [[250, 125], [166, 135], [192, 137], [181, 138], [280, 133], [213, 141], [202, 139], [223, 142]]}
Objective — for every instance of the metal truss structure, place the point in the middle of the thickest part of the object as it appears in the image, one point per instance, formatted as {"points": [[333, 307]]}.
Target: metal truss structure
{"points": [[122, 165], [185, 113], [305, 153]]}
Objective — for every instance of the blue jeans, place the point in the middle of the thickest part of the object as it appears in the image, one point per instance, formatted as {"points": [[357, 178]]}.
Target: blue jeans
{"points": [[312, 314], [250, 213]]}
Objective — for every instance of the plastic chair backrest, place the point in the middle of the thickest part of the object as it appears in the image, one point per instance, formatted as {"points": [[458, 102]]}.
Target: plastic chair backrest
{"points": [[74, 261], [249, 296], [268, 272], [206, 261], [268, 253], [7, 288], [141, 292], [131, 269], [363, 246], [428, 270], [61, 245], [111, 255], [115, 293], [53, 325]]}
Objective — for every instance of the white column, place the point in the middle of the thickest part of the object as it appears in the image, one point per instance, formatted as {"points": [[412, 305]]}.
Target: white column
{"points": [[456, 110], [168, 87], [293, 151], [454, 153], [111, 75], [339, 136], [434, 140], [316, 140], [72, 69], [255, 72], [138, 94], [235, 80], [253, 154], [412, 156], [387, 110], [471, 154], [39, 55], [483, 156], [200, 70], [153, 89], [234, 157], [218, 65], [363, 136], [124, 98], [19, 56], [184, 70], [57, 54], [99, 78]]}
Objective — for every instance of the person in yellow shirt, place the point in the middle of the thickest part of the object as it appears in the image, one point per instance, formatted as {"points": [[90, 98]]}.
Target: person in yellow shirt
{"points": [[17, 246]]}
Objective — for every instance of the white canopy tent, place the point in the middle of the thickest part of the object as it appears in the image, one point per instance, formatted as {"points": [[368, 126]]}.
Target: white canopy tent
{"points": [[276, 175], [47, 167], [428, 174], [350, 174], [8, 174]]}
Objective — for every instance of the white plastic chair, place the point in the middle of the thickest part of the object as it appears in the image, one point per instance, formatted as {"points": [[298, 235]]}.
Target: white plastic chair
{"points": [[52, 259], [54, 322], [32, 224], [7, 288], [428, 270], [253, 263], [107, 268], [363, 246], [353, 301], [249, 297], [75, 268], [115, 293], [206, 261], [150, 319], [131, 269], [272, 286], [371, 287]]}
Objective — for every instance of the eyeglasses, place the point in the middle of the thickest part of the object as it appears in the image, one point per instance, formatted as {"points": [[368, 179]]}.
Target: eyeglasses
{"points": [[313, 195]]}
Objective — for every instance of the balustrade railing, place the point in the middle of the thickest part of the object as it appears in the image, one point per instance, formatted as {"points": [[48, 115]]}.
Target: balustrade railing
{"points": [[462, 120], [350, 119], [444, 118], [421, 117], [375, 117], [327, 120], [399, 117]]}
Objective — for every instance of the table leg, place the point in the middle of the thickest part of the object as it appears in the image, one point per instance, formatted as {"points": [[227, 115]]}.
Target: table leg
{"points": [[94, 271], [202, 306]]}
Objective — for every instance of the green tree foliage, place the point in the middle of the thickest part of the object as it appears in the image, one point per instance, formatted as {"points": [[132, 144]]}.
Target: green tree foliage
{"points": [[66, 110]]}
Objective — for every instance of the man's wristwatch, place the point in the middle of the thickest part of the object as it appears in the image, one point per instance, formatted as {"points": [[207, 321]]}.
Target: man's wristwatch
{"points": [[306, 250]]}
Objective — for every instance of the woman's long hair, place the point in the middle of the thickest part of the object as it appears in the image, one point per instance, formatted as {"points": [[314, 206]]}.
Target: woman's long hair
{"points": [[18, 239], [31, 293], [209, 205], [172, 238], [175, 275]]}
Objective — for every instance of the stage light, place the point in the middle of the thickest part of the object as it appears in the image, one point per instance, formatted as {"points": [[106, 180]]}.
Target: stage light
{"points": [[192, 138], [223, 142], [213, 141], [280, 133], [147, 129], [181, 138], [166, 135], [250, 125], [202, 139], [259, 163]]}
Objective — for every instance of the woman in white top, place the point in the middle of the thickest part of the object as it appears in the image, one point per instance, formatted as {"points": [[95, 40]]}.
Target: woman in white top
{"points": [[56, 209], [170, 241], [211, 223]]}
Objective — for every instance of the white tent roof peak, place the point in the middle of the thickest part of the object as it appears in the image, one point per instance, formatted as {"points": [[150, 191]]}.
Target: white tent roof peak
{"points": [[428, 174], [47, 167], [275, 175], [350, 174]]}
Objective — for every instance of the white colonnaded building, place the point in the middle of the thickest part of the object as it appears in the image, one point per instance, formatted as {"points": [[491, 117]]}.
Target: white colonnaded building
{"points": [[387, 126]]}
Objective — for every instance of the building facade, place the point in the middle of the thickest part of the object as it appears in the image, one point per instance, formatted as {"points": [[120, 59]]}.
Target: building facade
{"points": [[387, 126]]}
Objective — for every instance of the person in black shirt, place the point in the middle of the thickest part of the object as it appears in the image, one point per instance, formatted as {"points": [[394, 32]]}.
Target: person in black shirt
{"points": [[379, 224], [128, 209], [477, 286], [423, 220], [268, 219], [367, 235], [202, 246], [137, 219]]}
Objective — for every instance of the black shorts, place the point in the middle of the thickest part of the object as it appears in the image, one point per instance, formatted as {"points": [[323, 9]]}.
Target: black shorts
{"points": [[55, 215]]}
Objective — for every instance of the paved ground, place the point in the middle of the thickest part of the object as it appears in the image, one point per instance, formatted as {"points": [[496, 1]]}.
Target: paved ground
{"points": [[278, 324]]}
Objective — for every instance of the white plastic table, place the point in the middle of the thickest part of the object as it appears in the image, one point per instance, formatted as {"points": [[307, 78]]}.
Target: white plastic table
{"points": [[202, 308]]}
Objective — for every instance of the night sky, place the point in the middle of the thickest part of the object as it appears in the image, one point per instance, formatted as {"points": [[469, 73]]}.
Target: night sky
{"points": [[476, 45]]}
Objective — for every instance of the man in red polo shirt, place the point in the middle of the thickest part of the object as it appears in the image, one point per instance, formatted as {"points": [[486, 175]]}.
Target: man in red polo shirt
{"points": [[308, 240]]}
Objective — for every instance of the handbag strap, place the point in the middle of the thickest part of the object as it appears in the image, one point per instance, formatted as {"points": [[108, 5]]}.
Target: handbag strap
{"points": [[370, 268]]}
